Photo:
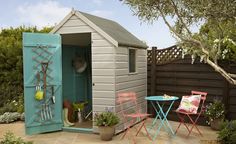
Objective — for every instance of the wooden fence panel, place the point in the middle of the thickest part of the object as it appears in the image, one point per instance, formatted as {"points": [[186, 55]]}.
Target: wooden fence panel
{"points": [[169, 74]]}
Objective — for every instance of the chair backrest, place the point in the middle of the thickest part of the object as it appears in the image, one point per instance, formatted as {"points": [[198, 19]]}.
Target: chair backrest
{"points": [[203, 98], [129, 98]]}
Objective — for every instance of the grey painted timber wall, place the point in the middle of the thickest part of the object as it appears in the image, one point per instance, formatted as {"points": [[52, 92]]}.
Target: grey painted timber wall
{"points": [[103, 64], [125, 82]]}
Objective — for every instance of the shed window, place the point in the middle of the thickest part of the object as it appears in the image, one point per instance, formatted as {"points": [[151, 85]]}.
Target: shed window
{"points": [[132, 60]]}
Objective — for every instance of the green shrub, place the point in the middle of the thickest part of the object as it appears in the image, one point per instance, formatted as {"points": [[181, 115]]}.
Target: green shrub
{"points": [[227, 133], [20, 104], [10, 138], [9, 107], [13, 106], [11, 65], [106, 119]]}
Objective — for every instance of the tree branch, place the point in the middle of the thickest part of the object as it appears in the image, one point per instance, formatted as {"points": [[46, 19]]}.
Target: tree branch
{"points": [[232, 75], [217, 68], [180, 17], [182, 37], [226, 75]]}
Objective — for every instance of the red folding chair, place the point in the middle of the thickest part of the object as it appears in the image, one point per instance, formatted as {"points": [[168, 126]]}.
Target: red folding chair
{"points": [[132, 113], [189, 115]]}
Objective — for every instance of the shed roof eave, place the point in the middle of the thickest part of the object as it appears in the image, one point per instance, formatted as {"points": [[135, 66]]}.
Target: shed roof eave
{"points": [[130, 45], [58, 26]]}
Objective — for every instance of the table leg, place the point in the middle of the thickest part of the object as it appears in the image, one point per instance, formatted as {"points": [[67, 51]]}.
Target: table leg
{"points": [[165, 117], [162, 117], [157, 115]]}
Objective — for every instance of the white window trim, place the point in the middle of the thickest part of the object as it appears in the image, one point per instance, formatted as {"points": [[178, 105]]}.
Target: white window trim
{"points": [[133, 73]]}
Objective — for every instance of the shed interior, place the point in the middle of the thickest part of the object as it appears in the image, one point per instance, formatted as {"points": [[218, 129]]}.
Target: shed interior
{"points": [[77, 79]]}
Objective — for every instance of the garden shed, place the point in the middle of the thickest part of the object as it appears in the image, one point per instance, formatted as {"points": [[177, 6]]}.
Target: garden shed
{"points": [[84, 60]]}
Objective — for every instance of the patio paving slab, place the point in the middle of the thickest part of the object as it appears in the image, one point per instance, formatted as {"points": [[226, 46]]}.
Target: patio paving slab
{"points": [[61, 137]]}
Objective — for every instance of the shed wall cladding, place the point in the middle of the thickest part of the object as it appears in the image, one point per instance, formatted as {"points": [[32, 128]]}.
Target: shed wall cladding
{"points": [[103, 73], [131, 82]]}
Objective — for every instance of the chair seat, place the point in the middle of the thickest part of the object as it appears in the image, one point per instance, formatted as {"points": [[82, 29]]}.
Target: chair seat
{"points": [[183, 112], [136, 115]]}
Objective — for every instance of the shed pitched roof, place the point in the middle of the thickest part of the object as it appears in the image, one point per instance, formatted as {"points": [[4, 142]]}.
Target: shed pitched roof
{"points": [[117, 34], [116, 31]]}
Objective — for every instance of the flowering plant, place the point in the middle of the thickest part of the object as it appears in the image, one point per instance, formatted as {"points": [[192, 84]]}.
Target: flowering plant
{"points": [[106, 118], [215, 110]]}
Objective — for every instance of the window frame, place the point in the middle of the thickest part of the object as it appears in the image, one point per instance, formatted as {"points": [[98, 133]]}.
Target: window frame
{"points": [[135, 60]]}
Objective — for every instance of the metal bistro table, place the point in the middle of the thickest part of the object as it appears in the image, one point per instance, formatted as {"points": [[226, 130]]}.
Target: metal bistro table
{"points": [[155, 101]]}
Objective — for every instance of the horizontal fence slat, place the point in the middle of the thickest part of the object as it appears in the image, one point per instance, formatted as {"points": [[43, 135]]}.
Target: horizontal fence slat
{"points": [[176, 76]]}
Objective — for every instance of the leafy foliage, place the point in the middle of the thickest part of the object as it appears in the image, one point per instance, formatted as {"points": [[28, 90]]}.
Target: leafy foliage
{"points": [[9, 117], [215, 110], [216, 40], [106, 119], [10, 138], [219, 39], [11, 74], [9, 106], [227, 134]]}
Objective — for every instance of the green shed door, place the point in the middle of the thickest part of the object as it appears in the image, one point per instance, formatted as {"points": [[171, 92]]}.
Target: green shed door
{"points": [[42, 82]]}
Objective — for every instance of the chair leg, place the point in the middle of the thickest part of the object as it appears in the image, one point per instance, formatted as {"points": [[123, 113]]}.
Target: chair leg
{"points": [[143, 126], [181, 118], [147, 132], [182, 121], [194, 125], [128, 130]]}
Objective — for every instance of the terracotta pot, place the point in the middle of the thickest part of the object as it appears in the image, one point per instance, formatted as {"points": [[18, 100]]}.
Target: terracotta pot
{"points": [[106, 132], [215, 124]]}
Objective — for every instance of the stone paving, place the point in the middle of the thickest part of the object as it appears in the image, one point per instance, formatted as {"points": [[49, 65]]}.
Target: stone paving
{"points": [[61, 137]]}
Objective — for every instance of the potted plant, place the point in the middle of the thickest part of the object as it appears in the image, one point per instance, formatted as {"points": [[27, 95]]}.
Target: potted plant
{"points": [[79, 110], [215, 112], [106, 122]]}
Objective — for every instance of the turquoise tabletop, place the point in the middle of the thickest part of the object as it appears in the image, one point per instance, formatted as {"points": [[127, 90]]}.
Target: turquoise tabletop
{"points": [[161, 98]]}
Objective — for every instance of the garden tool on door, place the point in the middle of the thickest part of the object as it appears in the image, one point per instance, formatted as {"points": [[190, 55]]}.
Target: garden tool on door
{"points": [[39, 93], [44, 111], [51, 100], [44, 70], [47, 111]]}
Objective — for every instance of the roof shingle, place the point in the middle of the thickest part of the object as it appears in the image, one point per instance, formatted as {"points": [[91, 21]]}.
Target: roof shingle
{"points": [[116, 31]]}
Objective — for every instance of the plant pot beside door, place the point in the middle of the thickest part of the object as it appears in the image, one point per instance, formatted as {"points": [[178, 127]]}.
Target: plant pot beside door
{"points": [[106, 122], [106, 132]]}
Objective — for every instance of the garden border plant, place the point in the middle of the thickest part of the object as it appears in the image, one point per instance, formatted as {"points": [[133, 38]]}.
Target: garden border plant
{"points": [[227, 133], [215, 112]]}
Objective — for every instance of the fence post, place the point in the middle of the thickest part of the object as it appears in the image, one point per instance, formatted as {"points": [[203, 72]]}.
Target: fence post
{"points": [[153, 71], [226, 96], [153, 80]]}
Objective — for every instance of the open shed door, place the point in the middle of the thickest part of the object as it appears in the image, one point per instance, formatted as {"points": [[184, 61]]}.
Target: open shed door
{"points": [[42, 82]]}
